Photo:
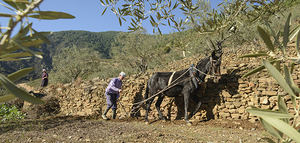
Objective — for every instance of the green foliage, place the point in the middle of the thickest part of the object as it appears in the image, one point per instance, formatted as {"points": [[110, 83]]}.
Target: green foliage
{"points": [[137, 51], [231, 14], [10, 113], [16, 91], [50, 15], [74, 62], [99, 41], [277, 122], [24, 44]]}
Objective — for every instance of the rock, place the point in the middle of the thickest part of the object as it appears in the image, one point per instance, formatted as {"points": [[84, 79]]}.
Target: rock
{"points": [[94, 87], [254, 99], [232, 110], [253, 120], [261, 89], [224, 115], [248, 91], [269, 93], [241, 110], [59, 89], [236, 116], [251, 84], [265, 107], [226, 94], [251, 103], [237, 104], [243, 85], [264, 100], [273, 99]]}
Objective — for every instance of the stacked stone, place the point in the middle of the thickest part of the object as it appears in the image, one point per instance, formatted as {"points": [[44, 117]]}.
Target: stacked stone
{"points": [[81, 98], [259, 90], [227, 99]]}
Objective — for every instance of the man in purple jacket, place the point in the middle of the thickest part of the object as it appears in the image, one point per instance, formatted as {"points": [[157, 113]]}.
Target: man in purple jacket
{"points": [[112, 94]]}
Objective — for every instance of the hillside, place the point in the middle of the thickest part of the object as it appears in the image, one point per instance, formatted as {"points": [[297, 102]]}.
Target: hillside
{"points": [[98, 41]]}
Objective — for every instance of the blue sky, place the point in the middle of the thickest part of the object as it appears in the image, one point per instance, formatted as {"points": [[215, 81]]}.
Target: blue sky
{"points": [[88, 17]]}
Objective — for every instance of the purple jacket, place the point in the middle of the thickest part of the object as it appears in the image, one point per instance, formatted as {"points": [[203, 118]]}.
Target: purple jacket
{"points": [[44, 75], [114, 86]]}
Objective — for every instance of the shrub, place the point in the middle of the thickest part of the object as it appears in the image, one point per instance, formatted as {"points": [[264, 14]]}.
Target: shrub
{"points": [[10, 113]]}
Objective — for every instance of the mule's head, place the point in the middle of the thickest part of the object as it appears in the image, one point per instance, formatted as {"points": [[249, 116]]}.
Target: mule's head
{"points": [[216, 59]]}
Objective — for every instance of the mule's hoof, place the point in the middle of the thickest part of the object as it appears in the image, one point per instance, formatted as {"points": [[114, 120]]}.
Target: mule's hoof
{"points": [[189, 123], [147, 123]]}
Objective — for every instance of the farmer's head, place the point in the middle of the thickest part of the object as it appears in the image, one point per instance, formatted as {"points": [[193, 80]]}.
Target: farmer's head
{"points": [[122, 75], [44, 70]]}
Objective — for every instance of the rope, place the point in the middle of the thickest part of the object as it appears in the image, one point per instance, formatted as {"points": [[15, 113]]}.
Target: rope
{"points": [[126, 114], [206, 74], [166, 88]]}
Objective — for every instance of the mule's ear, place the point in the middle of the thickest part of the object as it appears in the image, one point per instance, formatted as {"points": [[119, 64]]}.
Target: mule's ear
{"points": [[208, 44], [212, 43], [219, 45]]}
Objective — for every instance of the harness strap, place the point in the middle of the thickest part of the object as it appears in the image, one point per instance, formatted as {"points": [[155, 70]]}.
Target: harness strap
{"points": [[192, 75], [170, 79], [205, 73]]}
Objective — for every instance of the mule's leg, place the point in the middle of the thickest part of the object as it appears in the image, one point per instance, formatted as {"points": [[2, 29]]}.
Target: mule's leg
{"points": [[196, 109], [157, 105], [197, 100], [186, 105], [147, 110]]}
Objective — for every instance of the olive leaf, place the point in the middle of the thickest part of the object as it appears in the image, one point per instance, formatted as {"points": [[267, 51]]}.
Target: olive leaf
{"points": [[279, 78], [266, 38], [51, 15], [20, 93]]}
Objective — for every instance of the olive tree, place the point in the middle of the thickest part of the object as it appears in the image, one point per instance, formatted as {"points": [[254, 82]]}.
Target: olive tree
{"points": [[135, 50], [24, 44], [162, 13], [71, 63]]}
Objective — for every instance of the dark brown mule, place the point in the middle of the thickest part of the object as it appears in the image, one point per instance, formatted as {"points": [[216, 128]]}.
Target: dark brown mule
{"points": [[187, 81]]}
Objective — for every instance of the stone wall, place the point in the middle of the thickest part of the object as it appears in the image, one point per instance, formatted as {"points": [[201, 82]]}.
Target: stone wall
{"points": [[227, 99]]}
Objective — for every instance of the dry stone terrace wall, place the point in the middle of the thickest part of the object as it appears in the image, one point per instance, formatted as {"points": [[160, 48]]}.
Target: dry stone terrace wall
{"points": [[227, 99]]}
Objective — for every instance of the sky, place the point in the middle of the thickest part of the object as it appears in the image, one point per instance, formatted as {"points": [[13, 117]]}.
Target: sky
{"points": [[88, 17]]}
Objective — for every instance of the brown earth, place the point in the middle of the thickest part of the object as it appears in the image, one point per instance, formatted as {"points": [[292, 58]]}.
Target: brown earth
{"points": [[72, 128], [87, 129]]}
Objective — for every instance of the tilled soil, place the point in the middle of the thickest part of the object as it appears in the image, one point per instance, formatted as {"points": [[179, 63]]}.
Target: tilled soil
{"points": [[82, 129]]}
